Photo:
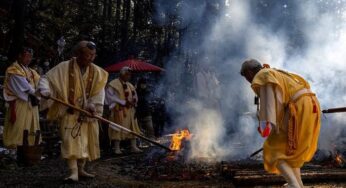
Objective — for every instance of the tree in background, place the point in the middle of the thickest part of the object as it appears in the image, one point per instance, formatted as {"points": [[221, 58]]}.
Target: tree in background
{"points": [[120, 28]]}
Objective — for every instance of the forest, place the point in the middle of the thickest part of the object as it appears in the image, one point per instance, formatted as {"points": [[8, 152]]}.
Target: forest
{"points": [[120, 29]]}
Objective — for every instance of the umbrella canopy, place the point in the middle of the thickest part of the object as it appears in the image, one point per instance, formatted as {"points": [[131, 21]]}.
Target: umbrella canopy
{"points": [[135, 64]]}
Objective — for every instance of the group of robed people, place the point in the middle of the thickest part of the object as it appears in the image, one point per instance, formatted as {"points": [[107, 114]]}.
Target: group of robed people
{"points": [[289, 112], [78, 82]]}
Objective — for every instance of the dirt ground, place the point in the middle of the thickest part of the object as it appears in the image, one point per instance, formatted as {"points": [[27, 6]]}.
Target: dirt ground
{"points": [[109, 172]]}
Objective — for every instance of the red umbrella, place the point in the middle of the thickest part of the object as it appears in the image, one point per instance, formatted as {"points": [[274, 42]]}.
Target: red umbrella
{"points": [[135, 64]]}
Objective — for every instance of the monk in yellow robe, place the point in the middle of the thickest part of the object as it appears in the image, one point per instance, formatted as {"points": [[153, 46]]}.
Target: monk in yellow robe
{"points": [[121, 97], [288, 106], [19, 92], [81, 83]]}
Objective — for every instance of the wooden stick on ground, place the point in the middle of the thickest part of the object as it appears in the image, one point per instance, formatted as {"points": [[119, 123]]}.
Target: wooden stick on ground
{"points": [[111, 124]]}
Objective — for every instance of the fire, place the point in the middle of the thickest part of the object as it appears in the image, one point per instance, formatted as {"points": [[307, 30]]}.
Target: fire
{"points": [[339, 160], [178, 137]]}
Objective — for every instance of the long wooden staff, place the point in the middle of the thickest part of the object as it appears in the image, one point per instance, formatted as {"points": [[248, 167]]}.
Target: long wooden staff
{"points": [[334, 110], [111, 124], [256, 152]]}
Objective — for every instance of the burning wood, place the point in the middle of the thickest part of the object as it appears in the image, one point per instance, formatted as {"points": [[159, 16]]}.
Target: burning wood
{"points": [[340, 161], [178, 137], [155, 166]]}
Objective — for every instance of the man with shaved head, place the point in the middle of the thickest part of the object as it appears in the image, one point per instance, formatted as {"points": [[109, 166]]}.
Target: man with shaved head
{"points": [[289, 116], [81, 83]]}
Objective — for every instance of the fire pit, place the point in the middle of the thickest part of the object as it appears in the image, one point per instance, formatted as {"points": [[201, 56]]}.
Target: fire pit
{"points": [[156, 164]]}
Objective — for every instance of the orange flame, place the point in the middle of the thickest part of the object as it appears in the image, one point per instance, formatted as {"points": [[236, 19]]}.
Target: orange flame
{"points": [[339, 159], [177, 139]]}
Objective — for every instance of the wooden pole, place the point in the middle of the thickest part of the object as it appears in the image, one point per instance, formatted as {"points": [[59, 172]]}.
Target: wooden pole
{"points": [[111, 124], [334, 110], [256, 152]]}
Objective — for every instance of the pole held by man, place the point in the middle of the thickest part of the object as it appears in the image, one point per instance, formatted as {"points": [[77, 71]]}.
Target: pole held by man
{"points": [[110, 123]]}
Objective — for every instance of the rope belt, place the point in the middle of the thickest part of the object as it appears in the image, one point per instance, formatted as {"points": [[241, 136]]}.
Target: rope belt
{"points": [[292, 130]]}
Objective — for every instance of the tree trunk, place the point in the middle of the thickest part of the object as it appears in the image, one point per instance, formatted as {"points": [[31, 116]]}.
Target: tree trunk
{"points": [[105, 4], [125, 25], [167, 41], [136, 19], [104, 25], [117, 21], [18, 30], [110, 6]]}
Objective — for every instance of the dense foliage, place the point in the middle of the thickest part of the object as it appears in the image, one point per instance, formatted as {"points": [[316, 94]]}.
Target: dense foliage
{"points": [[120, 28]]}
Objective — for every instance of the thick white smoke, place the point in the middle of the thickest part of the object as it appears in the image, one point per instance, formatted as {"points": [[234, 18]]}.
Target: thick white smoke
{"points": [[305, 37]]}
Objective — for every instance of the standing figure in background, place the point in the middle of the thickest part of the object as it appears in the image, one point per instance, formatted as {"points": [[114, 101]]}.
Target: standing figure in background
{"points": [[81, 83], [143, 108], [287, 106], [46, 66], [122, 99], [20, 86]]}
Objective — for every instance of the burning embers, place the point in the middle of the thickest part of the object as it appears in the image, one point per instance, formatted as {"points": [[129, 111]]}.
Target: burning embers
{"points": [[335, 158], [339, 160], [338, 155], [178, 138]]}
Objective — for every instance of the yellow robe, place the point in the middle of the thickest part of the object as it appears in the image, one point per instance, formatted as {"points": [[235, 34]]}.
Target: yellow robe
{"points": [[306, 111], [122, 115], [83, 143], [27, 116]]}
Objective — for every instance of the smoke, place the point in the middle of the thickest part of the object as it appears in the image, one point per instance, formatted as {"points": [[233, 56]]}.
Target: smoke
{"points": [[206, 127], [305, 37]]}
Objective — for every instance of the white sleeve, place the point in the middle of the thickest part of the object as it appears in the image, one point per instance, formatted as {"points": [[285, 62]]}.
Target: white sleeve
{"points": [[20, 86], [43, 84], [98, 101], [267, 104], [112, 98]]}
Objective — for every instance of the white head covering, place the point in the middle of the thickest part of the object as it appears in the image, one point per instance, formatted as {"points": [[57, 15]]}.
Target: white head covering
{"points": [[125, 70]]}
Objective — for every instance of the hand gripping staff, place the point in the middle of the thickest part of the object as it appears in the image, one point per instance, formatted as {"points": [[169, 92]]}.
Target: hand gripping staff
{"points": [[111, 124]]}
